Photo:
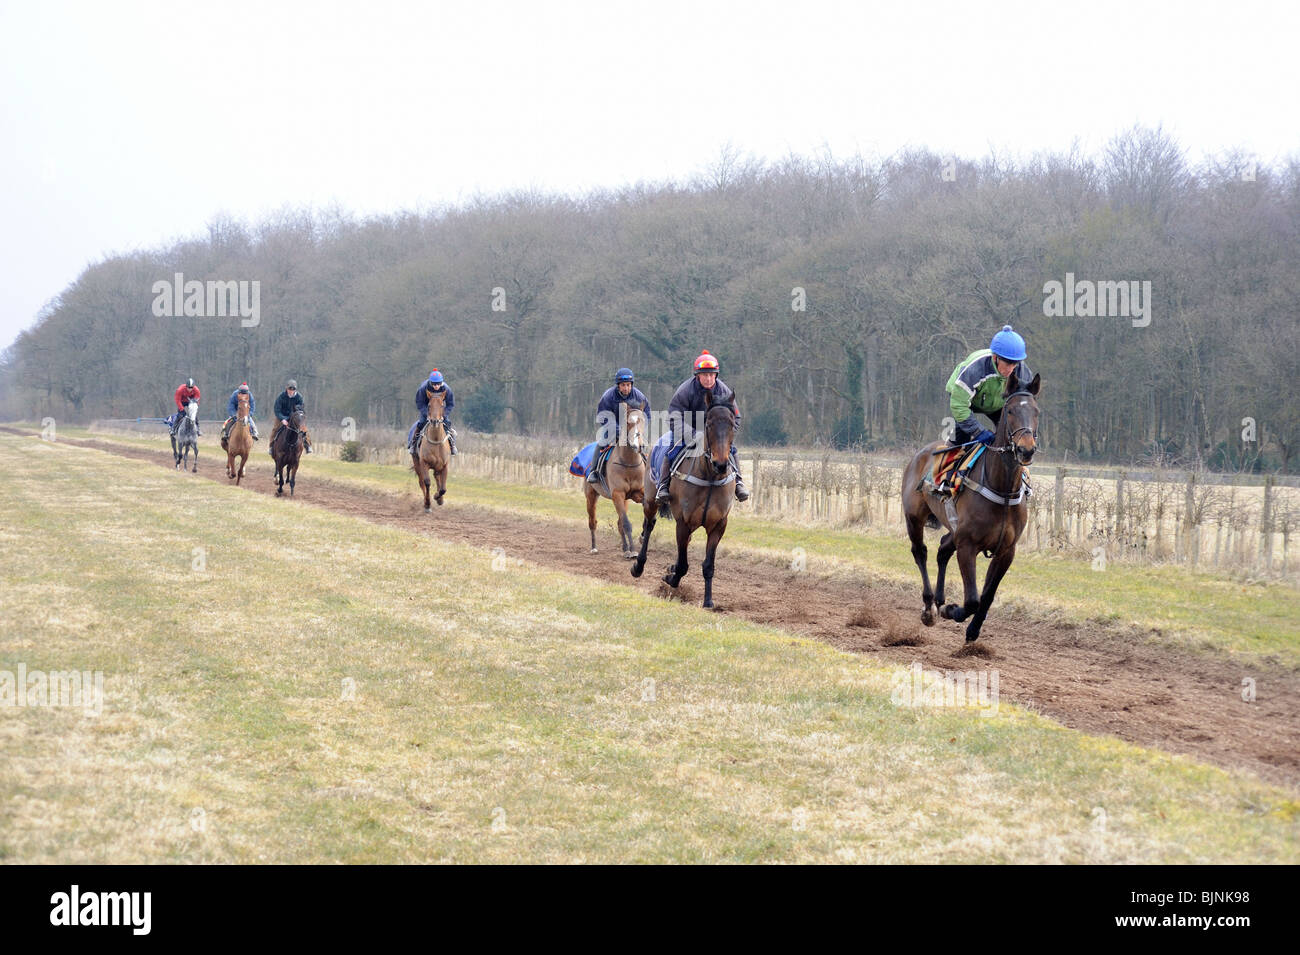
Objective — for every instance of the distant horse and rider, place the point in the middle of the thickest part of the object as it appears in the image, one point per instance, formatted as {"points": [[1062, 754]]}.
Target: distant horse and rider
{"points": [[287, 444], [622, 478], [431, 452], [239, 441], [186, 437]]}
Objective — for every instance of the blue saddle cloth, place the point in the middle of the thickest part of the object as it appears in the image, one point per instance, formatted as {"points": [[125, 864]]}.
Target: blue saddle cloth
{"points": [[582, 461], [658, 454]]}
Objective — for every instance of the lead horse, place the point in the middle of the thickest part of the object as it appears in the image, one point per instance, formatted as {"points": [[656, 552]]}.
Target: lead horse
{"points": [[700, 497], [625, 473], [989, 515]]}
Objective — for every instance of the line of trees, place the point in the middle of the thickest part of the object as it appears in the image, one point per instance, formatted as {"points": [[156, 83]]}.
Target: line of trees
{"points": [[838, 295]]}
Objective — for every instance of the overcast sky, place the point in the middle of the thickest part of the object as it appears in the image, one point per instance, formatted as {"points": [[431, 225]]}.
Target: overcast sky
{"points": [[129, 124]]}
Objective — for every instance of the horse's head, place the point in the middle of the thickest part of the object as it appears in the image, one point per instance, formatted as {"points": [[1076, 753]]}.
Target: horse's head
{"points": [[297, 418], [634, 432], [1018, 426], [192, 410], [241, 404], [437, 404], [719, 431]]}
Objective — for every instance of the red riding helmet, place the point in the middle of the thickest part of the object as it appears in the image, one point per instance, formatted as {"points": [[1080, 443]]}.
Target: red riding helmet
{"points": [[705, 362]]}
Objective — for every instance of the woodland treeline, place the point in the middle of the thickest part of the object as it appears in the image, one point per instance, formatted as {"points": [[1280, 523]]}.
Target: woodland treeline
{"points": [[529, 302]]}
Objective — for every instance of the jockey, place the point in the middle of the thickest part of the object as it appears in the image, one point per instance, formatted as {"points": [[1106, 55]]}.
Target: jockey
{"points": [[688, 400], [607, 413], [232, 409], [977, 384], [286, 404], [184, 395], [435, 385]]}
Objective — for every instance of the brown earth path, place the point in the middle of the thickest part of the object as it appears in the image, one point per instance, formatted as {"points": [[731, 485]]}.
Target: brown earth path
{"points": [[1090, 677]]}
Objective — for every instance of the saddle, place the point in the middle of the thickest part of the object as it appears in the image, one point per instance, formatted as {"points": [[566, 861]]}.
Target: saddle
{"points": [[951, 466]]}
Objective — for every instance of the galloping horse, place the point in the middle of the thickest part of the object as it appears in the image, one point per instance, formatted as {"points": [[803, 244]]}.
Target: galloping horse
{"points": [[625, 478], [286, 451], [701, 497], [432, 453], [239, 443], [187, 436], [989, 515]]}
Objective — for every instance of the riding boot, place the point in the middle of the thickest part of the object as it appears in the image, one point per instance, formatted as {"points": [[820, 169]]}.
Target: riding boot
{"points": [[742, 492], [451, 435], [662, 492], [252, 426], [593, 476]]}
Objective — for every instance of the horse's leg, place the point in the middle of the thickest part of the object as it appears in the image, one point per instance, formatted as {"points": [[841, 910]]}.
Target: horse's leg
{"points": [[916, 533], [230, 464], [711, 549], [650, 514], [992, 577], [243, 459], [441, 475], [590, 491], [619, 497], [293, 476], [946, 549], [678, 570], [195, 469], [966, 552]]}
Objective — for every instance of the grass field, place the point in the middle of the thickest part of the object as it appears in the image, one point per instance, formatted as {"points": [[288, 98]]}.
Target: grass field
{"points": [[1165, 603], [286, 684]]}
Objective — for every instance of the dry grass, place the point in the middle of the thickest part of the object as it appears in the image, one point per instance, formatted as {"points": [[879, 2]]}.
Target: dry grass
{"points": [[325, 690]]}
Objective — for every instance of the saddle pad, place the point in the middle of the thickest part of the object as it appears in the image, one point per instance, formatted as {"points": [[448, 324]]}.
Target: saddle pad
{"points": [[657, 454], [955, 460], [582, 461]]}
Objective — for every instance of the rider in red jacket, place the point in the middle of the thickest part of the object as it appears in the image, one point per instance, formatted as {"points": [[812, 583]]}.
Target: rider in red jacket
{"points": [[186, 393]]}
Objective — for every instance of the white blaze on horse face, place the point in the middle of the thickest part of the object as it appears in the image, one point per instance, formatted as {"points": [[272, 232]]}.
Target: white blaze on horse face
{"points": [[192, 411]]}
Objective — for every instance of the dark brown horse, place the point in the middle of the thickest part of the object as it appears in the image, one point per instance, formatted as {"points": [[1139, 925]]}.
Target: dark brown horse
{"points": [[625, 474], [988, 515], [433, 453], [286, 451], [701, 495]]}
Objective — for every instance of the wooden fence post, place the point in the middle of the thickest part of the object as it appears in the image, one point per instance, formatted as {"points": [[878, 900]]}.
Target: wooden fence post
{"points": [[1266, 525], [1058, 505]]}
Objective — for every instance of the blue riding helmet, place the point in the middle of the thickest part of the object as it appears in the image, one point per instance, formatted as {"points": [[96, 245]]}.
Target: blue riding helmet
{"points": [[1009, 345], [435, 378], [623, 374]]}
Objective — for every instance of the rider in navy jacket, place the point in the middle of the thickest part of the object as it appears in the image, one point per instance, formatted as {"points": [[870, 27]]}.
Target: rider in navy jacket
{"points": [[607, 413], [434, 385]]}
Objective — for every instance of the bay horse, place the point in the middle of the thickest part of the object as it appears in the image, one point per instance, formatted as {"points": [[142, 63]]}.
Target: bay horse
{"points": [[625, 478], [988, 515], [432, 453], [700, 496], [187, 437], [239, 442], [286, 451]]}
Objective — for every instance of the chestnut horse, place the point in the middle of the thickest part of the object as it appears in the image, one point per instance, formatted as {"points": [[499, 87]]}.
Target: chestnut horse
{"points": [[239, 443], [286, 451], [625, 473], [988, 515], [700, 496], [432, 453]]}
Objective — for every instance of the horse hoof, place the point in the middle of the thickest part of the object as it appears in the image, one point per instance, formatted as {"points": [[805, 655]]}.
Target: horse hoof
{"points": [[637, 569], [628, 555], [708, 605], [593, 550], [972, 639], [927, 618]]}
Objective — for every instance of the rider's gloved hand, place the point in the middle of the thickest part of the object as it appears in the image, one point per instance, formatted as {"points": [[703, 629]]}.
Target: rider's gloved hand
{"points": [[986, 436]]}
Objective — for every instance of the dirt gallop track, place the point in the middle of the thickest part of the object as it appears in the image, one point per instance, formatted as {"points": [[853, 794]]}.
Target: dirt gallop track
{"points": [[1092, 678]]}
